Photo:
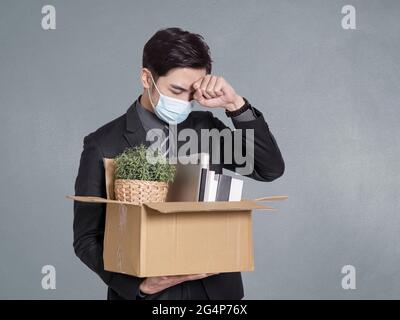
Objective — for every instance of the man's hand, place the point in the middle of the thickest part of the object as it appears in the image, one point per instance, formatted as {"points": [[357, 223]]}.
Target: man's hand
{"points": [[153, 285], [213, 91]]}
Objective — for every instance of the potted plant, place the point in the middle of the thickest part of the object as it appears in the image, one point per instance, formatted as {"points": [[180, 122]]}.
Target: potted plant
{"points": [[139, 180]]}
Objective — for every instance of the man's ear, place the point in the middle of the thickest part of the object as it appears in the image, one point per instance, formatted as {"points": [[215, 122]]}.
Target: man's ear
{"points": [[145, 78]]}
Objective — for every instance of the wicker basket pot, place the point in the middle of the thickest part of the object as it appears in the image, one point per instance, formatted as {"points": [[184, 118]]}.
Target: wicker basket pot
{"points": [[140, 191]]}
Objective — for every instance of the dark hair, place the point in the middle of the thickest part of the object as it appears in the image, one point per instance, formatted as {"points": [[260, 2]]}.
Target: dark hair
{"points": [[175, 48]]}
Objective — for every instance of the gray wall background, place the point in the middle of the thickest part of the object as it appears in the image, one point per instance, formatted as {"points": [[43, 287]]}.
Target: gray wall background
{"points": [[329, 95]]}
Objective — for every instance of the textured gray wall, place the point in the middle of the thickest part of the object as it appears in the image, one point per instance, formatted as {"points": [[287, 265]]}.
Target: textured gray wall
{"points": [[330, 96]]}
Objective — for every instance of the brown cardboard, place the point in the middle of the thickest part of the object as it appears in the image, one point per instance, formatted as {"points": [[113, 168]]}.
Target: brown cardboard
{"points": [[172, 238]]}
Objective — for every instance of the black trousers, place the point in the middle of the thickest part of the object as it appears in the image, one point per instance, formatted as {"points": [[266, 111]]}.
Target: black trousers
{"points": [[189, 290]]}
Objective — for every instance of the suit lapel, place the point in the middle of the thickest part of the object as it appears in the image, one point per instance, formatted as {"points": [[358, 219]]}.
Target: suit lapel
{"points": [[135, 133]]}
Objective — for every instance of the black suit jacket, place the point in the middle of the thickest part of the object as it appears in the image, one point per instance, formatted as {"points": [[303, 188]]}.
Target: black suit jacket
{"points": [[127, 131]]}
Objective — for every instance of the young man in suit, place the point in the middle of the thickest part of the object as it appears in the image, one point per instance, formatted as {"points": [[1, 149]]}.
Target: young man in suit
{"points": [[176, 70]]}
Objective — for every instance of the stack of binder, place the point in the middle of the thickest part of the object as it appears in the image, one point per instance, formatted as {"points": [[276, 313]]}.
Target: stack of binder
{"points": [[194, 181], [221, 187]]}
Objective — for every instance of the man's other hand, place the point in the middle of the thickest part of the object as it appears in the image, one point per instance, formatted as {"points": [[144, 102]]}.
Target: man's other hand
{"points": [[153, 285]]}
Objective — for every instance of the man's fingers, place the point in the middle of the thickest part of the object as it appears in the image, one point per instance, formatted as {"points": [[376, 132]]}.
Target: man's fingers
{"points": [[218, 86], [169, 281], [197, 84], [204, 85], [197, 94], [204, 94], [210, 89], [174, 280], [205, 81], [199, 276], [192, 277]]}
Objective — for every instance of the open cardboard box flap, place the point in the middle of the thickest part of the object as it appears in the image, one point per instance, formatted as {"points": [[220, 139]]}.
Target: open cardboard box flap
{"points": [[170, 207]]}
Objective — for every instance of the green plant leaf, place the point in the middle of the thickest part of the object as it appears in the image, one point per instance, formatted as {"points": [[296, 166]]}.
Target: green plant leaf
{"points": [[132, 164]]}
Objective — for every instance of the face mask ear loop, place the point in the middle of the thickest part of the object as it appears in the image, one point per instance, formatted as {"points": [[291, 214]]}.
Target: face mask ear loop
{"points": [[148, 92], [152, 79], [151, 101]]}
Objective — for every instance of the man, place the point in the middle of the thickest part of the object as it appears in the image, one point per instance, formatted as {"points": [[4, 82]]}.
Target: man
{"points": [[176, 71]]}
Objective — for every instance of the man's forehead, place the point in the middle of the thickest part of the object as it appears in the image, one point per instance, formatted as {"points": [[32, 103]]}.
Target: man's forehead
{"points": [[184, 77]]}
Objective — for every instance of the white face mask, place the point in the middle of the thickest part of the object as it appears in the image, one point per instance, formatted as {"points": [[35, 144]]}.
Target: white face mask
{"points": [[171, 110]]}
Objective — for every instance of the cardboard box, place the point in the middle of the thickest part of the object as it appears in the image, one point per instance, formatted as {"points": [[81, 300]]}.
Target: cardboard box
{"points": [[176, 238]]}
